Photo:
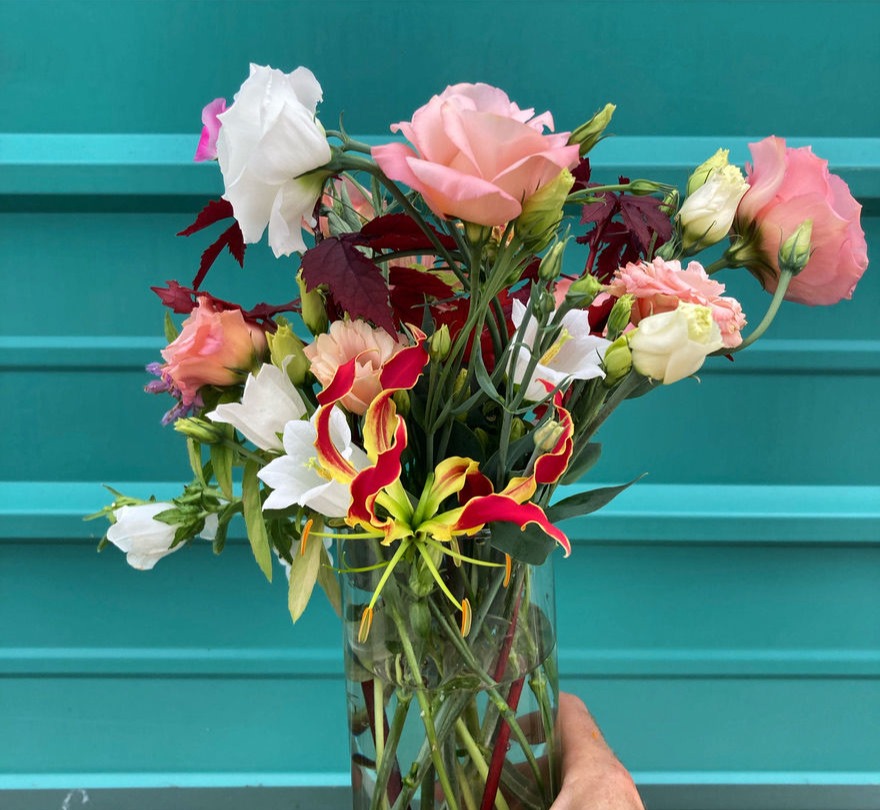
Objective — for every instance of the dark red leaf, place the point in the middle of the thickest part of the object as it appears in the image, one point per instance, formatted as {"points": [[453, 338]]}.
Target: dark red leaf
{"points": [[644, 217], [399, 232], [411, 289], [213, 212], [581, 174], [231, 238], [182, 300], [605, 207], [355, 283]]}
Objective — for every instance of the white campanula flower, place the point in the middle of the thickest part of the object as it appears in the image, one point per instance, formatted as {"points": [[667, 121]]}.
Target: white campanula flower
{"points": [[269, 142], [269, 402], [144, 540], [574, 355], [672, 345], [298, 477]]}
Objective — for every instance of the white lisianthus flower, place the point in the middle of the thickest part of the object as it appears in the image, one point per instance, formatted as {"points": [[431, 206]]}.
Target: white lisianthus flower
{"points": [[269, 141], [268, 403], [672, 345], [144, 540], [574, 355], [298, 478], [707, 213]]}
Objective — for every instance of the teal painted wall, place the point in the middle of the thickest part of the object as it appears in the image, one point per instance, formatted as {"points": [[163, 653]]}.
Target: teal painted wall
{"points": [[721, 619]]}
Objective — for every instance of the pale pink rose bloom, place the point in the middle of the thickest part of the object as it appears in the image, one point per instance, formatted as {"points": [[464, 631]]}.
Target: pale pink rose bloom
{"points": [[214, 347], [660, 285], [207, 148], [477, 155], [787, 187], [345, 340]]}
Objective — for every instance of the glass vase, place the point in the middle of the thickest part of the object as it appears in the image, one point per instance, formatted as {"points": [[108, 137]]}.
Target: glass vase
{"points": [[451, 677]]}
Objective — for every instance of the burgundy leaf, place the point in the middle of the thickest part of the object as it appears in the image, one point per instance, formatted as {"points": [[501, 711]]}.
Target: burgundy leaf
{"points": [[355, 283], [399, 232], [182, 300], [605, 207], [231, 238], [177, 298], [411, 289], [644, 217], [581, 174], [213, 212]]}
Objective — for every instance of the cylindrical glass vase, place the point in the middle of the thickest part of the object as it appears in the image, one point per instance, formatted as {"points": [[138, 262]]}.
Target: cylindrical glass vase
{"points": [[451, 677]]}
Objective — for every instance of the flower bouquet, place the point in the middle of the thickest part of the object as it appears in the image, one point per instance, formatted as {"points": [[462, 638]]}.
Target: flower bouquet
{"points": [[395, 434]]}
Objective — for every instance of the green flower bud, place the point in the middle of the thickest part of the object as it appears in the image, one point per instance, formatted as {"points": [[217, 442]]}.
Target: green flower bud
{"points": [[617, 361], [619, 317], [582, 292], [440, 344], [517, 429], [314, 313], [548, 435], [199, 429], [589, 134], [401, 402], [794, 253], [642, 188], [460, 382], [286, 347], [542, 212], [551, 264], [701, 174]]}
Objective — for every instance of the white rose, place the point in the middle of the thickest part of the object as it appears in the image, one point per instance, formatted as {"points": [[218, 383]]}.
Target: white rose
{"points": [[672, 345], [144, 540], [269, 138], [707, 213]]}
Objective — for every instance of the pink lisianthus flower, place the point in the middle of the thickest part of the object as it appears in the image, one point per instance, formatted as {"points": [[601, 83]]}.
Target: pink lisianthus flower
{"points": [[207, 148], [353, 339], [477, 156], [659, 286], [215, 347], [788, 186]]}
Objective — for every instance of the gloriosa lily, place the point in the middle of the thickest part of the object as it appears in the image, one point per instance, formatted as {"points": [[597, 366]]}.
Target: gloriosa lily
{"points": [[382, 508]]}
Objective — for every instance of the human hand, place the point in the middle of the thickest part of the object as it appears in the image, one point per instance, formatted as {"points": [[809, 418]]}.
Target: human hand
{"points": [[592, 777]]}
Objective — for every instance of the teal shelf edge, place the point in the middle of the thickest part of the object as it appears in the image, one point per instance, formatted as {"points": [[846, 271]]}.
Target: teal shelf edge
{"points": [[161, 164], [106, 352], [325, 663], [646, 513]]}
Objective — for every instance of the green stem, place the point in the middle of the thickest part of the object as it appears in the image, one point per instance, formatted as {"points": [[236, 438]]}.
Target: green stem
{"points": [[719, 264], [785, 278], [385, 762], [426, 709], [478, 759]]}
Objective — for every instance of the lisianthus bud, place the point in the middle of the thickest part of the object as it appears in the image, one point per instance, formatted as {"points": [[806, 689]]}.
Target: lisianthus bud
{"points": [[401, 402], [542, 211], [672, 345], [286, 352], [440, 344], [314, 313], [617, 362], [701, 174], [547, 436], [199, 429], [551, 264], [794, 252], [588, 135], [517, 429], [619, 317], [582, 292], [707, 214]]}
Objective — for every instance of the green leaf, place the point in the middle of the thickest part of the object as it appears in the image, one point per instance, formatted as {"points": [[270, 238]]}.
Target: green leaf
{"points": [[582, 462], [194, 451], [303, 576], [221, 460], [484, 380], [329, 582], [171, 332], [582, 503], [530, 545], [253, 518]]}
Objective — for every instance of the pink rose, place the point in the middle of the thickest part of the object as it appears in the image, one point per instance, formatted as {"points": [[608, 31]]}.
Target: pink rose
{"points": [[347, 339], [207, 148], [787, 187], [659, 286], [215, 347], [477, 155]]}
